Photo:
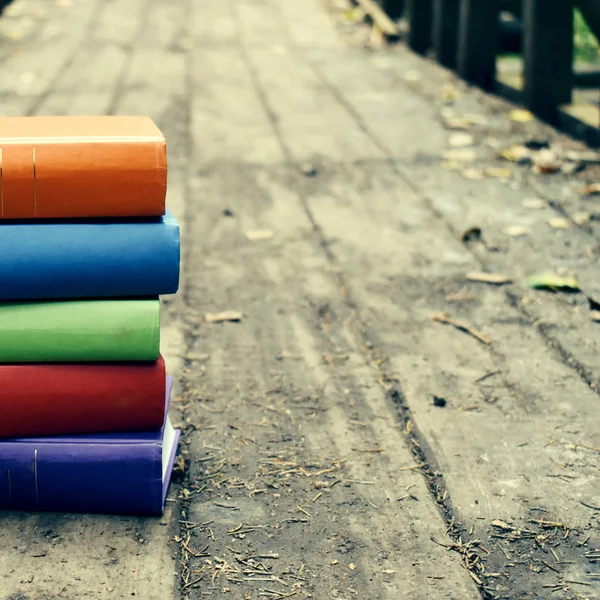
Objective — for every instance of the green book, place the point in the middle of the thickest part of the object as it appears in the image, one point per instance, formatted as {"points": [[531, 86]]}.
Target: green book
{"points": [[79, 331]]}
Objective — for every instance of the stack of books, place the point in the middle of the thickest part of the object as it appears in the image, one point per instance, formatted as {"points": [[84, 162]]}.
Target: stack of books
{"points": [[86, 249]]}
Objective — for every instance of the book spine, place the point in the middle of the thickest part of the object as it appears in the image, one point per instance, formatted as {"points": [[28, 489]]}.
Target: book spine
{"points": [[89, 260], [55, 399], [79, 331], [83, 178], [115, 478]]}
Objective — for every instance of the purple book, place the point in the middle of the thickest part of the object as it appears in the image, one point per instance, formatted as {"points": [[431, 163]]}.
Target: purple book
{"points": [[119, 473]]}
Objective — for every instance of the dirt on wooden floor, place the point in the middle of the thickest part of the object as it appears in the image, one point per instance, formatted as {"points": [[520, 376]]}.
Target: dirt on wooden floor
{"points": [[368, 426]]}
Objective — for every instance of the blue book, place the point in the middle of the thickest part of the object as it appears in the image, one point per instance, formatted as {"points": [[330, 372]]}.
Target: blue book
{"points": [[89, 258], [117, 473]]}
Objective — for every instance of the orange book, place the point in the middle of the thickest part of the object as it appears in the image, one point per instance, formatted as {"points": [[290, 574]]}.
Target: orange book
{"points": [[69, 167]]}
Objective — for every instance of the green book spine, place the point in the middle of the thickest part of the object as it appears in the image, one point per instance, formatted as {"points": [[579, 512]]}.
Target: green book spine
{"points": [[79, 331]]}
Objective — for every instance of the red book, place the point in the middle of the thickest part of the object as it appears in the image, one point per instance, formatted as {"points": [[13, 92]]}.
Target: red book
{"points": [[60, 399]]}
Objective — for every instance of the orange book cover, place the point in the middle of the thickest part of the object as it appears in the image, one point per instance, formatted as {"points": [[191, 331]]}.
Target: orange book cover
{"points": [[79, 166]]}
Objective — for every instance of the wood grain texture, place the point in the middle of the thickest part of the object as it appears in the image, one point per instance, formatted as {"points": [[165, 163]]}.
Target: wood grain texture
{"points": [[321, 399]]}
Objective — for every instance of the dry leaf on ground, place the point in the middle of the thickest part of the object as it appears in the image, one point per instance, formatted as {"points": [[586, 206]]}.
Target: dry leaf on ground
{"points": [[559, 223], [550, 281], [581, 218], [222, 317], [520, 116], [493, 278], [474, 174], [456, 123], [595, 316], [533, 203], [517, 154], [546, 162], [461, 140], [516, 230], [590, 190], [260, 234]]}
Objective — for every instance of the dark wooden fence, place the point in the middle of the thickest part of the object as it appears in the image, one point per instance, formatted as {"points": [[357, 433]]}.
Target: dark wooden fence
{"points": [[467, 35]]}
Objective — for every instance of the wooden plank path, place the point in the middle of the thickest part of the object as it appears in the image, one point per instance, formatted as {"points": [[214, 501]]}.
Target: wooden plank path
{"points": [[340, 443]]}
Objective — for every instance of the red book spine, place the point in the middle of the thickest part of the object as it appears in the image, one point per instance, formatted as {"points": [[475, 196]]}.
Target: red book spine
{"points": [[62, 399]]}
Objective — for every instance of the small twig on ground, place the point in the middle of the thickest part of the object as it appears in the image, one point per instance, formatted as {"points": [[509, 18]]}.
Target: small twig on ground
{"points": [[189, 584], [484, 377], [228, 506], [576, 582], [549, 524], [241, 528], [493, 278], [356, 481], [411, 496], [445, 318], [302, 510], [551, 567], [413, 467], [587, 447], [194, 553]]}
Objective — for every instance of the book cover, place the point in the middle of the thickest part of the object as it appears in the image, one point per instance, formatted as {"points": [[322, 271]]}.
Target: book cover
{"points": [[81, 166], [79, 331], [126, 473], [89, 259], [59, 399]]}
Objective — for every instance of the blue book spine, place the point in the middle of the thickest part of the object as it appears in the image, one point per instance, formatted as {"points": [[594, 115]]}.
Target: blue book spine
{"points": [[89, 258]]}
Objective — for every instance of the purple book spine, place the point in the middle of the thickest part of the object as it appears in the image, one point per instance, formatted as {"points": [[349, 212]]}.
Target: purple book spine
{"points": [[115, 473]]}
